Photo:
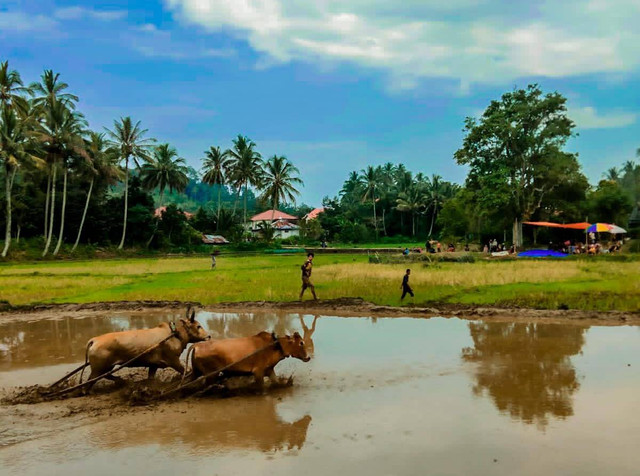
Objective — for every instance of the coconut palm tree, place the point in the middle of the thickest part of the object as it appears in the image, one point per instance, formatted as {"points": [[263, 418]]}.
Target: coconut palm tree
{"points": [[164, 170], [11, 87], [370, 180], [50, 89], [612, 174], [60, 131], [411, 201], [102, 165], [128, 138], [245, 166], [15, 150], [215, 168], [279, 181]]}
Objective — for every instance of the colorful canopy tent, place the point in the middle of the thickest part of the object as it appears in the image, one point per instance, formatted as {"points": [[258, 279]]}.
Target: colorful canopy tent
{"points": [[571, 226], [606, 228]]}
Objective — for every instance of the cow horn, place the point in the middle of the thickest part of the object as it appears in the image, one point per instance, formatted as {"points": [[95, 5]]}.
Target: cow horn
{"points": [[193, 316], [187, 313]]}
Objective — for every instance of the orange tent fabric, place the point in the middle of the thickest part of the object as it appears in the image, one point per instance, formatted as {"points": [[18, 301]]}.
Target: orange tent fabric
{"points": [[572, 226]]}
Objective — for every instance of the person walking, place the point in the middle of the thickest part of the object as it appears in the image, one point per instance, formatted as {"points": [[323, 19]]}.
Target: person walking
{"points": [[406, 289], [306, 277]]}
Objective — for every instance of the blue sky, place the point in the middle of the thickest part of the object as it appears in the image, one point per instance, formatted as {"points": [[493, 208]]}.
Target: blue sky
{"points": [[336, 85]]}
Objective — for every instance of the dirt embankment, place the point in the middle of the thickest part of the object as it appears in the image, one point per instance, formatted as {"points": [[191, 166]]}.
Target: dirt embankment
{"points": [[348, 307]]}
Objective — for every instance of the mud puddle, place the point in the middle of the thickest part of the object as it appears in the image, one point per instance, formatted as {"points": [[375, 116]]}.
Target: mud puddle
{"points": [[380, 396]]}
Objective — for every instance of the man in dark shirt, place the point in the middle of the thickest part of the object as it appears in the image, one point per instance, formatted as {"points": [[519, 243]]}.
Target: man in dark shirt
{"points": [[306, 277], [405, 285]]}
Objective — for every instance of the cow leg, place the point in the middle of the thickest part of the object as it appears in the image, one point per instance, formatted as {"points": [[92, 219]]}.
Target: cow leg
{"points": [[152, 372], [176, 365], [94, 374], [271, 373], [117, 380], [258, 375]]}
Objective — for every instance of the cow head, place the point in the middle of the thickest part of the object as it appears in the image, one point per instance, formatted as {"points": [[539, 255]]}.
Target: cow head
{"points": [[295, 347], [195, 331]]}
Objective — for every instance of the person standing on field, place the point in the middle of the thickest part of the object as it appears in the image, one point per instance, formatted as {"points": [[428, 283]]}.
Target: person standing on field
{"points": [[406, 289], [306, 277]]}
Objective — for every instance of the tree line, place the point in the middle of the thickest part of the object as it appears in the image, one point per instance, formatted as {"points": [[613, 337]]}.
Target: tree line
{"points": [[45, 140], [59, 175]]}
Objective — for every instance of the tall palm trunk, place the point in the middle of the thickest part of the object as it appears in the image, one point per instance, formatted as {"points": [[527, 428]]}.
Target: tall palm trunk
{"points": [[219, 206], [126, 203], [64, 207], [433, 216], [8, 181], [46, 206], [84, 215], [413, 223], [53, 209], [375, 218], [245, 205]]}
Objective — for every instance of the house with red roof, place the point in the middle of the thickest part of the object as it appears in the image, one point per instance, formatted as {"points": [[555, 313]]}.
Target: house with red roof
{"points": [[285, 225], [313, 214]]}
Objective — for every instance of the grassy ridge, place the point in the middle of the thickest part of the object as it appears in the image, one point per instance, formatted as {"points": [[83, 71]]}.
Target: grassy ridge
{"points": [[576, 284]]}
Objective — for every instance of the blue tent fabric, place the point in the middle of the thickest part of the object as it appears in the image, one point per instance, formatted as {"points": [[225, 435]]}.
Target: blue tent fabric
{"points": [[541, 254]]}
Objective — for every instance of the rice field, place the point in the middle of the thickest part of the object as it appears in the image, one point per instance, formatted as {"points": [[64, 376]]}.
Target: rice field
{"points": [[575, 284]]}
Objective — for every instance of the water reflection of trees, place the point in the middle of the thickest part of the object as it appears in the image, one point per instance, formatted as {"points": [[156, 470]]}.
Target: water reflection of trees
{"points": [[526, 368]]}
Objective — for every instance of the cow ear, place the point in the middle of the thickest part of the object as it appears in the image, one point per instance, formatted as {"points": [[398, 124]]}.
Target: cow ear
{"points": [[193, 316], [296, 335]]}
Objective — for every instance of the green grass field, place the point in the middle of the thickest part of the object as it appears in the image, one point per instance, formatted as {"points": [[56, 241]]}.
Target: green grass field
{"points": [[576, 284]]}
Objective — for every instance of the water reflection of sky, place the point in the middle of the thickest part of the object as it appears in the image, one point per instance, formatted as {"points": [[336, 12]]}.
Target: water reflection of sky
{"points": [[383, 396]]}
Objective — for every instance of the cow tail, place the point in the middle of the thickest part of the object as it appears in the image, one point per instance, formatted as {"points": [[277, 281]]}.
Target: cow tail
{"points": [[86, 359], [186, 364]]}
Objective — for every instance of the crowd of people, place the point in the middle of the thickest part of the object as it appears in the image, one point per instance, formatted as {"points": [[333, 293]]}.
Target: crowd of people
{"points": [[594, 247]]}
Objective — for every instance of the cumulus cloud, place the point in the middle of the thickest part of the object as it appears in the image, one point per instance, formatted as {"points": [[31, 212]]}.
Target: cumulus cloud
{"points": [[473, 41], [77, 13], [16, 21], [588, 118]]}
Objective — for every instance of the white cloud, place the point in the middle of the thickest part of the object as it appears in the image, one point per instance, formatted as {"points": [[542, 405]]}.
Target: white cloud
{"points": [[22, 22], [153, 42], [77, 13], [588, 118], [468, 40]]}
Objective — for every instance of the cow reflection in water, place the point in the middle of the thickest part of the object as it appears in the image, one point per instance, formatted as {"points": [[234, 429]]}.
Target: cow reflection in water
{"points": [[307, 334], [525, 367], [219, 425]]}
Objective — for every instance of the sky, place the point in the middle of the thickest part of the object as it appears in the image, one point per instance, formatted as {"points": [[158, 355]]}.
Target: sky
{"points": [[336, 85]]}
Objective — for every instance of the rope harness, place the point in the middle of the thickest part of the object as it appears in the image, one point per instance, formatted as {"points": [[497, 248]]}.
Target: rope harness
{"points": [[174, 333]]}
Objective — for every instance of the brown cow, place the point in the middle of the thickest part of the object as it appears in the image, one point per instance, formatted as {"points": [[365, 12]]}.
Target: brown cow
{"points": [[116, 348], [212, 355]]}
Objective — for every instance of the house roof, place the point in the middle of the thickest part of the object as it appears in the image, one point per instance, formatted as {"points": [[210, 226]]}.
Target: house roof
{"points": [[285, 225], [313, 214], [160, 210], [270, 215]]}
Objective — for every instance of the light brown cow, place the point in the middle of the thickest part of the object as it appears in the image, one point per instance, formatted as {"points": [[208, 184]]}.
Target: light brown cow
{"points": [[213, 355], [116, 348]]}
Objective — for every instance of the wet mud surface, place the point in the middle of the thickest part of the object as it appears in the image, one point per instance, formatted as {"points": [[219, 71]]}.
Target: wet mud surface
{"points": [[380, 396]]}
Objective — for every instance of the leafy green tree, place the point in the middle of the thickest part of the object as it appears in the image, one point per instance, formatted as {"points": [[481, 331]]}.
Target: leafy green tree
{"points": [[279, 180], [515, 152], [11, 86], [609, 204], [246, 167], [412, 201], [164, 170], [129, 139], [215, 168]]}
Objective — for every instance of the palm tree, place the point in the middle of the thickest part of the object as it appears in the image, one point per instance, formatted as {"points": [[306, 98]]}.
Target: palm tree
{"points": [[279, 180], [612, 174], [14, 151], [370, 180], [130, 142], [246, 167], [46, 93], [60, 131], [102, 165], [11, 87], [215, 167], [164, 170], [51, 89], [411, 201], [437, 192]]}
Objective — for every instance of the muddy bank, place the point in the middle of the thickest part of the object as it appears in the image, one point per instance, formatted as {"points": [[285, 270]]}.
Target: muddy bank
{"points": [[348, 307]]}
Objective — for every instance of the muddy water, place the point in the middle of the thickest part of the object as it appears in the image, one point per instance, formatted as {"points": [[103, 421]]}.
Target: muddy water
{"points": [[381, 396]]}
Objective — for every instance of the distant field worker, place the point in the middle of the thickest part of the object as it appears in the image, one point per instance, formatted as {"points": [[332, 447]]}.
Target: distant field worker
{"points": [[406, 289], [306, 276]]}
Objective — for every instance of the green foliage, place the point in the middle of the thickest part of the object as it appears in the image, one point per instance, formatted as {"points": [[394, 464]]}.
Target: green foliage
{"points": [[608, 203]]}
